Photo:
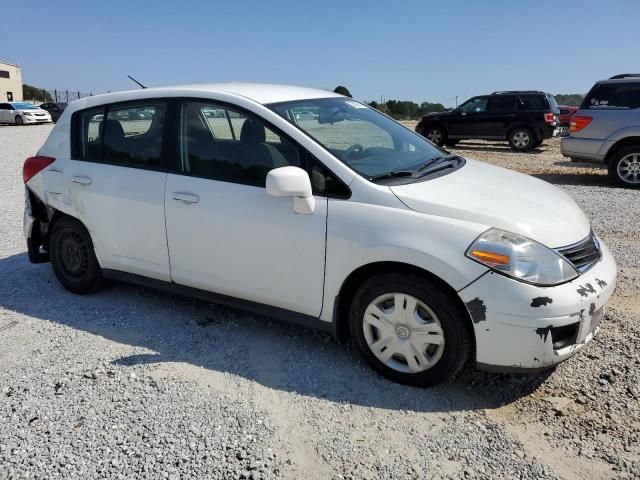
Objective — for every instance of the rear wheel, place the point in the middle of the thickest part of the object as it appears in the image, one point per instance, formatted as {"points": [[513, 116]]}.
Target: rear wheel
{"points": [[18, 120], [410, 329], [436, 135], [522, 139], [624, 167], [73, 258]]}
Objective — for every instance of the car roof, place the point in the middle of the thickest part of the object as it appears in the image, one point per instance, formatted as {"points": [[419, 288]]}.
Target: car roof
{"points": [[262, 93]]}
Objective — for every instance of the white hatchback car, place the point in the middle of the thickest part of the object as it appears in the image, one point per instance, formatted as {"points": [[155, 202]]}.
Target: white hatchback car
{"points": [[314, 208], [23, 113]]}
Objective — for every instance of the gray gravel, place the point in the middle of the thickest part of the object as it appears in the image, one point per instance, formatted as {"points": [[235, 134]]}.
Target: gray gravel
{"points": [[132, 383]]}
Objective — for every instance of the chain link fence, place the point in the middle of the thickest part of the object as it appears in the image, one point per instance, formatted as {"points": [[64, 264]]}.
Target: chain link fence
{"points": [[55, 95]]}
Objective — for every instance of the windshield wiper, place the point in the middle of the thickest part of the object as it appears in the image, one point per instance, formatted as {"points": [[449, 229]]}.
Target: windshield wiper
{"points": [[437, 159], [392, 174]]}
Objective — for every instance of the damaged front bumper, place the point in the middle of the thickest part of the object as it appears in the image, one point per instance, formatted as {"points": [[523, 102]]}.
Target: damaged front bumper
{"points": [[525, 327]]}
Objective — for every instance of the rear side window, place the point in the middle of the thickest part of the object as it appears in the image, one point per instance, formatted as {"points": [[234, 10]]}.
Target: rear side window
{"points": [[613, 96], [501, 103], [125, 135], [533, 102]]}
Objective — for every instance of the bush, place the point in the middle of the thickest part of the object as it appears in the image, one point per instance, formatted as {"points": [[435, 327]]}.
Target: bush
{"points": [[30, 92]]}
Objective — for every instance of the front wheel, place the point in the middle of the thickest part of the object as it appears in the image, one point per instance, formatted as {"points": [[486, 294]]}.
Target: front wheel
{"points": [[522, 139], [436, 135], [73, 258], [18, 120], [410, 329], [624, 167]]}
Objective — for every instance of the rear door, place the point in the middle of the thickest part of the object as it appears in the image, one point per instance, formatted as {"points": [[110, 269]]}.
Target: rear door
{"points": [[4, 113], [116, 186], [499, 115], [225, 234]]}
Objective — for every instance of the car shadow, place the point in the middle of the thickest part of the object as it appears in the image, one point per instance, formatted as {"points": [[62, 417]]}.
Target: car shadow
{"points": [[580, 179], [494, 147], [279, 356]]}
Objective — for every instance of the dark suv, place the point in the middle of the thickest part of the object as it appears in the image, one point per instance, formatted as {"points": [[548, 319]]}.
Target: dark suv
{"points": [[523, 118]]}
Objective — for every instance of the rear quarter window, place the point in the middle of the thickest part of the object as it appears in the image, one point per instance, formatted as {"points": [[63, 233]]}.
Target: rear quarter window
{"points": [[533, 102], [613, 96]]}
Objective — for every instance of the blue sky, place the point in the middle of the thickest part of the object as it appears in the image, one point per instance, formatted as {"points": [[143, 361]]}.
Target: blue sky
{"points": [[415, 50]]}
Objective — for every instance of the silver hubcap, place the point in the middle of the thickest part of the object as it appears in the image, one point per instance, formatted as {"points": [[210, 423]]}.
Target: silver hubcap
{"points": [[434, 135], [403, 332], [629, 168], [521, 139]]}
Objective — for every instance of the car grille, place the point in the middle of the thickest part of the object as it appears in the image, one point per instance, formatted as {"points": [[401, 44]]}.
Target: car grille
{"points": [[582, 255]]}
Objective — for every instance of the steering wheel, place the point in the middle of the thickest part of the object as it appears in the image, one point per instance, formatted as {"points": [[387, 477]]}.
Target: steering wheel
{"points": [[356, 147]]}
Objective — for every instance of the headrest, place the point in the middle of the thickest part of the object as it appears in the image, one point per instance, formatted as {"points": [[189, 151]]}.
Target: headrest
{"points": [[252, 132]]}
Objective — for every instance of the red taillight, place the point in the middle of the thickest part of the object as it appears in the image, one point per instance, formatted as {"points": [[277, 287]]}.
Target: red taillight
{"points": [[578, 122], [33, 165], [549, 117]]}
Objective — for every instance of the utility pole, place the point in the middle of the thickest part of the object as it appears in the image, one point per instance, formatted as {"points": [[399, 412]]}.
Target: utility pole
{"points": [[456, 101]]}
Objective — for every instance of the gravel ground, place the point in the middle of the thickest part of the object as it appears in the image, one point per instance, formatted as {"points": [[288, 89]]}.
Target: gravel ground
{"points": [[132, 383]]}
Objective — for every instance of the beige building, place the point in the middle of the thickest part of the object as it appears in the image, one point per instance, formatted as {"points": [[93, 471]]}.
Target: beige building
{"points": [[10, 82]]}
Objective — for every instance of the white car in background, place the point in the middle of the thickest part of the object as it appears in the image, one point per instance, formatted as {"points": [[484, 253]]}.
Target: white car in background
{"points": [[362, 228], [22, 113]]}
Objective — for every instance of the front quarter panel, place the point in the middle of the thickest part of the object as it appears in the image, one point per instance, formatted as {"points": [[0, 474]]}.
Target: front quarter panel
{"points": [[359, 234]]}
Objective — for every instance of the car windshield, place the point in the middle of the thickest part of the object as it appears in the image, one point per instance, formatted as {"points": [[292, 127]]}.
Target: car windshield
{"points": [[23, 105], [369, 142]]}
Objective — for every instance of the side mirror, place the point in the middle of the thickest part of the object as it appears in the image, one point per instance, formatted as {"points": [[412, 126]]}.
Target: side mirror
{"points": [[292, 182]]}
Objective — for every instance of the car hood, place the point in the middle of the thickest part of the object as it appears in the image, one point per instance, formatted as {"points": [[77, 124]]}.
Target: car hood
{"points": [[501, 198], [32, 110]]}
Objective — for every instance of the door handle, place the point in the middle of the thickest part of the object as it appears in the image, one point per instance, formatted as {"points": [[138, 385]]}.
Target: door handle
{"points": [[185, 197], [81, 180]]}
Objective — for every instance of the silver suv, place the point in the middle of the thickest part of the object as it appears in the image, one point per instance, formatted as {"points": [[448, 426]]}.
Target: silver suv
{"points": [[607, 129]]}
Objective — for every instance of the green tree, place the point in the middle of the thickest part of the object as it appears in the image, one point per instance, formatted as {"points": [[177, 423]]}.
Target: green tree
{"points": [[570, 99], [30, 92], [342, 90], [427, 107]]}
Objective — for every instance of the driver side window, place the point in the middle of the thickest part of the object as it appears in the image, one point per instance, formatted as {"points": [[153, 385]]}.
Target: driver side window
{"points": [[475, 105]]}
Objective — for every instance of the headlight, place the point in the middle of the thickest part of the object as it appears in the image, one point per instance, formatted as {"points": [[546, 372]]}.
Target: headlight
{"points": [[28, 114], [521, 258]]}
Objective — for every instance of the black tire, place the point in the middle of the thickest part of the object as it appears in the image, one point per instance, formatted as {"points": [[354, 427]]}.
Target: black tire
{"points": [[451, 143], [522, 139], [624, 167], [18, 120], [435, 134], [73, 258], [453, 318]]}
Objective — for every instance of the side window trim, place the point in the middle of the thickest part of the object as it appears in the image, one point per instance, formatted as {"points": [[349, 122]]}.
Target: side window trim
{"points": [[174, 164]]}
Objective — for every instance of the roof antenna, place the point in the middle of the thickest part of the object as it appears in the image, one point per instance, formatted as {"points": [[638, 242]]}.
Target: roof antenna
{"points": [[141, 85]]}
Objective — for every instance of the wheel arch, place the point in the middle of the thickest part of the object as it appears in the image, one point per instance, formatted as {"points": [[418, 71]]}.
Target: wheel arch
{"points": [[55, 217], [620, 144], [356, 278]]}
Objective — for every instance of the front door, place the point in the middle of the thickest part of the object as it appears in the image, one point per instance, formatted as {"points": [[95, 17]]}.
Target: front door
{"points": [[465, 123], [225, 234]]}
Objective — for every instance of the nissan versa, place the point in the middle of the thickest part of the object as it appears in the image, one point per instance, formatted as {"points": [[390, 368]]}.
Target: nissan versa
{"points": [[311, 207]]}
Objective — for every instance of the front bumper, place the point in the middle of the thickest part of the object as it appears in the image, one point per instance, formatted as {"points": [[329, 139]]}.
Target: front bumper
{"points": [[524, 327], [33, 119]]}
